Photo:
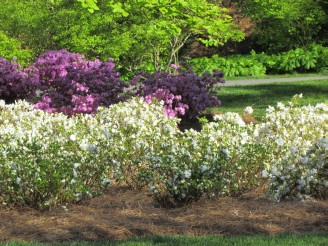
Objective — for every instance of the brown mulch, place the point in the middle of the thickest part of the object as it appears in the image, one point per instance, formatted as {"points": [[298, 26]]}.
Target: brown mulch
{"points": [[122, 213]]}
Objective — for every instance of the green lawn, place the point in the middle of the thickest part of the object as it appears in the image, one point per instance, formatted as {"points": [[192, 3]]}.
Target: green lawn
{"points": [[270, 76], [320, 239], [236, 98]]}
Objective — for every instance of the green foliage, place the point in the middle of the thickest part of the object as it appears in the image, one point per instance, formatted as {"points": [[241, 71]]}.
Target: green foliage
{"points": [[11, 48], [91, 5], [28, 22], [139, 35], [282, 25], [312, 58], [230, 66]]}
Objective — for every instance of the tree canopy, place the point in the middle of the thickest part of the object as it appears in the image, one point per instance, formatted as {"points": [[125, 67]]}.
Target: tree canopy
{"points": [[151, 34], [145, 34]]}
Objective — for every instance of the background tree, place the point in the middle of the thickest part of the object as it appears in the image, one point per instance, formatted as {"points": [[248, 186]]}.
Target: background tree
{"points": [[281, 25], [139, 35]]}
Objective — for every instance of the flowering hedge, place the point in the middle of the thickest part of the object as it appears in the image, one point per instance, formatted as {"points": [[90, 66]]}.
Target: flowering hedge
{"points": [[66, 82], [51, 159]]}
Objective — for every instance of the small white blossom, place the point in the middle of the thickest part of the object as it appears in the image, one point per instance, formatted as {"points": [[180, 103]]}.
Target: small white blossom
{"points": [[248, 110], [187, 173], [72, 137], [204, 168], [76, 165], [280, 141], [226, 152], [92, 148]]}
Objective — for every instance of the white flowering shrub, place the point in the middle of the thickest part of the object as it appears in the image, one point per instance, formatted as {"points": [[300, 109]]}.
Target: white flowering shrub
{"points": [[296, 140], [136, 131], [183, 172], [221, 157], [49, 159], [243, 157], [300, 175]]}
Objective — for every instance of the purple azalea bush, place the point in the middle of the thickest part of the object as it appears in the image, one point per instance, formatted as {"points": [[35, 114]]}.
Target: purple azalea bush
{"points": [[72, 85], [184, 94], [15, 82]]}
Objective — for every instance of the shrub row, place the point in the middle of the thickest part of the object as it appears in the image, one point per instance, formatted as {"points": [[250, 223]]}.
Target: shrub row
{"points": [[308, 59], [67, 82], [51, 159]]}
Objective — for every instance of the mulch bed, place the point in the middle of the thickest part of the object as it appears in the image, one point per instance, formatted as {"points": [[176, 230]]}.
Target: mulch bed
{"points": [[122, 213]]}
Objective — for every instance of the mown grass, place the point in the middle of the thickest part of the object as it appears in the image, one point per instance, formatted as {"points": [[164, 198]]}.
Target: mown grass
{"points": [[272, 76], [236, 98], [319, 239]]}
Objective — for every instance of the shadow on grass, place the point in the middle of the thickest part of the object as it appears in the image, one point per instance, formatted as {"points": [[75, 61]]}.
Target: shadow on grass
{"points": [[236, 98]]}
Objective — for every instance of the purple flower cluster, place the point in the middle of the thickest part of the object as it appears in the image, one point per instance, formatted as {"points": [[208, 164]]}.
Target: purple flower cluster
{"points": [[72, 85], [15, 82], [184, 94]]}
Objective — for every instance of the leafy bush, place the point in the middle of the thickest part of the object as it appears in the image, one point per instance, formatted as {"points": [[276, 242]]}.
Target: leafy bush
{"points": [[49, 159], [312, 58], [10, 48], [300, 174], [15, 82], [72, 85], [230, 66], [186, 92]]}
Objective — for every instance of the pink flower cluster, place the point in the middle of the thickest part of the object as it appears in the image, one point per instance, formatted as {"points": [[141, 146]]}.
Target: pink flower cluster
{"points": [[72, 85], [184, 94], [172, 104]]}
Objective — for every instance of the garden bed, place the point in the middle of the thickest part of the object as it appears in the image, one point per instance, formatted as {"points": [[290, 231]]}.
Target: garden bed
{"points": [[121, 213]]}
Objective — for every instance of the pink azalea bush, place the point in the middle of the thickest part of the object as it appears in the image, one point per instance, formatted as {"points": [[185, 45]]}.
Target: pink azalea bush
{"points": [[72, 85]]}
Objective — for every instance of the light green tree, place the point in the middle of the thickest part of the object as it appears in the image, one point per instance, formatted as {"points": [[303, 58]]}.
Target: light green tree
{"points": [[138, 34]]}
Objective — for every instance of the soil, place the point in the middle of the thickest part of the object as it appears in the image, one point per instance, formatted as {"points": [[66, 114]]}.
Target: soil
{"points": [[122, 213]]}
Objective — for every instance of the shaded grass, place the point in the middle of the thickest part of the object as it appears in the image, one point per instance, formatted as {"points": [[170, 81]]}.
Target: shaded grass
{"points": [[259, 240], [236, 98]]}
